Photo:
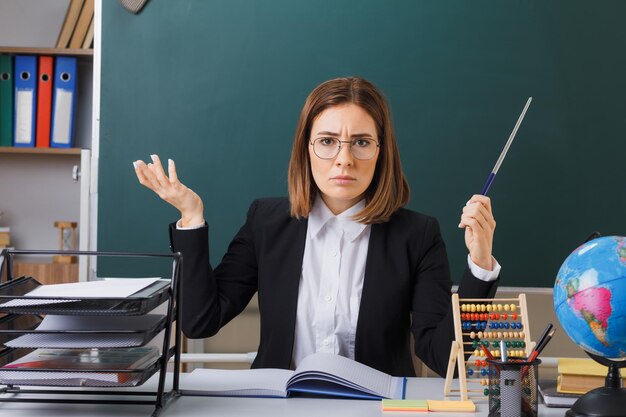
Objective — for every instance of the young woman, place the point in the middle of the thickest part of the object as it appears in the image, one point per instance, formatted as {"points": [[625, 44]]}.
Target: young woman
{"points": [[339, 266]]}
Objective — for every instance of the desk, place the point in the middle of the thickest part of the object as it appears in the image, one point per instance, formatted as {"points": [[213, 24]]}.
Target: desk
{"points": [[187, 406]]}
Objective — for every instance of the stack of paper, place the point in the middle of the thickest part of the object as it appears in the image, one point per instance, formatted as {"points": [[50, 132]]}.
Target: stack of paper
{"points": [[73, 292]]}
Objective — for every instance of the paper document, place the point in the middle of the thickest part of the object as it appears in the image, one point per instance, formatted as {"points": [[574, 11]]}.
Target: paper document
{"points": [[75, 291], [106, 288]]}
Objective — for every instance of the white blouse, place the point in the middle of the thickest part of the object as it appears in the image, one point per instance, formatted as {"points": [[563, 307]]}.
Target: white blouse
{"points": [[329, 296]]}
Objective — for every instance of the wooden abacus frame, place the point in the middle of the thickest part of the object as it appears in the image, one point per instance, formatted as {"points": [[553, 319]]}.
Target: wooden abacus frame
{"points": [[458, 348]]}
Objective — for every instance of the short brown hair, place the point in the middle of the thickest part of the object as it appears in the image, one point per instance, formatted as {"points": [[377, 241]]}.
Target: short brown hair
{"points": [[389, 189]]}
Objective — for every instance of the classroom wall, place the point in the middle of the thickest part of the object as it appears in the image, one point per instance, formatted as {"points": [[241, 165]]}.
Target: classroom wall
{"points": [[34, 23]]}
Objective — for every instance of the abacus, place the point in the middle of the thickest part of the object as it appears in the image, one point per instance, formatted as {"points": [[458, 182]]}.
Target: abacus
{"points": [[485, 323]]}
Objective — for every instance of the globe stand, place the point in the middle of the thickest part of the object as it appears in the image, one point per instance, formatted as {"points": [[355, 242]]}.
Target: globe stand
{"points": [[606, 401]]}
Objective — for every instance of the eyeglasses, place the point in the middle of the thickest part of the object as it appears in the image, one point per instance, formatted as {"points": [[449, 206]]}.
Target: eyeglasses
{"points": [[329, 148]]}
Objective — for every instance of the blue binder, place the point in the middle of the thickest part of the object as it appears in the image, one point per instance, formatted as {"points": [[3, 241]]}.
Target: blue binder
{"points": [[63, 102], [25, 100]]}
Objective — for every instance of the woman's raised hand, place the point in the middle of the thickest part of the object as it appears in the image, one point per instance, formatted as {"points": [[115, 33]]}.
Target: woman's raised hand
{"points": [[170, 189], [479, 224]]}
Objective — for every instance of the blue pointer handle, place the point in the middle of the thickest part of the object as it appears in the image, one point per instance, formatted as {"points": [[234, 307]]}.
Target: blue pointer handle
{"points": [[488, 183]]}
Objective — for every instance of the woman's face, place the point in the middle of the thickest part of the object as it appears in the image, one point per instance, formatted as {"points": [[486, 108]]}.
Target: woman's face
{"points": [[342, 180]]}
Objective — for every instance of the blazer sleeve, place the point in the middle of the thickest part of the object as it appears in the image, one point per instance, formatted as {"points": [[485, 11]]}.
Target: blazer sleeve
{"points": [[432, 321], [212, 297]]}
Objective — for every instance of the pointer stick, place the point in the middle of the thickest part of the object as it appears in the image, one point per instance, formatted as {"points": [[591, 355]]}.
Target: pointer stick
{"points": [[506, 148]]}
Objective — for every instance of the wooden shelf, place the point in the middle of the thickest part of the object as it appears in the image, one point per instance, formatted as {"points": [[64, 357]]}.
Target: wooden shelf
{"points": [[45, 151], [47, 273], [46, 51]]}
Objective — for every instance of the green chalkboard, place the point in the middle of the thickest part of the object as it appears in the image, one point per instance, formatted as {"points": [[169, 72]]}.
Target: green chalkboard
{"points": [[218, 86]]}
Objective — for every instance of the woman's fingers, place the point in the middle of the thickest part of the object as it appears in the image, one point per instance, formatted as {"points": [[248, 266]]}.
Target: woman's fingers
{"points": [[476, 214], [171, 171], [478, 208], [483, 199], [158, 171], [479, 223], [153, 177], [145, 175], [170, 189]]}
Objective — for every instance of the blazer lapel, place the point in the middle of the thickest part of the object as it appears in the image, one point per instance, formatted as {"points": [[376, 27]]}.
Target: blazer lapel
{"points": [[283, 269], [373, 282]]}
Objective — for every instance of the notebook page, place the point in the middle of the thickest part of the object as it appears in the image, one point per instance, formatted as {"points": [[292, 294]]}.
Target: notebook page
{"points": [[355, 373], [253, 382]]}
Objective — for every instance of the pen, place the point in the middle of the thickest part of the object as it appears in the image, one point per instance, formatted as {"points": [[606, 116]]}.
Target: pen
{"points": [[535, 351], [494, 171], [542, 344], [543, 341], [487, 353]]}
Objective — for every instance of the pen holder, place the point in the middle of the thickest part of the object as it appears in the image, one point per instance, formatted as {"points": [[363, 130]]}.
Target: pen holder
{"points": [[513, 388]]}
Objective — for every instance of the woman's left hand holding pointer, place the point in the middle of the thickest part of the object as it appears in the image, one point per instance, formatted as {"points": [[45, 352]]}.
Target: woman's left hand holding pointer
{"points": [[479, 224]]}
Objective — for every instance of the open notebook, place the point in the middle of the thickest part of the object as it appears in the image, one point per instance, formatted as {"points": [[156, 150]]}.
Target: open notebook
{"points": [[319, 373]]}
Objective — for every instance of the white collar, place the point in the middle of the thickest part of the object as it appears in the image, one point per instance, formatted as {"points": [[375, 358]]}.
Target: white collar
{"points": [[321, 215]]}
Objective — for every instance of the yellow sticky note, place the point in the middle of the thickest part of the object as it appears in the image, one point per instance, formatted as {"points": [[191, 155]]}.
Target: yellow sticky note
{"points": [[405, 405], [461, 406]]}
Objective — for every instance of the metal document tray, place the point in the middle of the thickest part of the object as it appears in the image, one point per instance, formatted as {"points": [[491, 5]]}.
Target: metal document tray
{"points": [[80, 332], [14, 299], [72, 376]]}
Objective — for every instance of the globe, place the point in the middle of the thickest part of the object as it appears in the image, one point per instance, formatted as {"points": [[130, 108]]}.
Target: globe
{"points": [[590, 297]]}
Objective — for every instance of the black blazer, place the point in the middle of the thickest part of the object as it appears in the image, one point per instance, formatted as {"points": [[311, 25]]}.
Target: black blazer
{"points": [[406, 287]]}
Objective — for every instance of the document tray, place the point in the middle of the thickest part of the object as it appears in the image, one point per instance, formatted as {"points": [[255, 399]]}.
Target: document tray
{"points": [[72, 376], [52, 338], [14, 299], [54, 332], [12, 325]]}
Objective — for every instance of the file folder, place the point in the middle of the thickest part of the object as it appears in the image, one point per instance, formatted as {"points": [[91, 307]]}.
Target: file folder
{"points": [[25, 100], [63, 102], [6, 100], [44, 101]]}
